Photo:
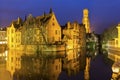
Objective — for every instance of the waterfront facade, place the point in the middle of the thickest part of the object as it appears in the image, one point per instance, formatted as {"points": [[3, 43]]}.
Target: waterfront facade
{"points": [[14, 34], [3, 36], [43, 29], [3, 39], [34, 34], [115, 42], [74, 38], [41, 39]]}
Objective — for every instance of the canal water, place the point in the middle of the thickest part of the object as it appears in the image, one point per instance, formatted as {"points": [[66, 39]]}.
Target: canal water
{"points": [[37, 66], [23, 67]]}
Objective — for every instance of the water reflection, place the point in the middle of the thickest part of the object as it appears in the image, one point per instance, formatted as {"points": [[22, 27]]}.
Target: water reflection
{"points": [[45, 67], [13, 60], [72, 64]]}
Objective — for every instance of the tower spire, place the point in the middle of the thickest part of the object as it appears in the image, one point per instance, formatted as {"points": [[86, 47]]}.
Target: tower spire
{"points": [[85, 20]]}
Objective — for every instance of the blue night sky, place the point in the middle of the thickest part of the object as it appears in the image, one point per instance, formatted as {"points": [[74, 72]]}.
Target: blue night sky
{"points": [[102, 13]]}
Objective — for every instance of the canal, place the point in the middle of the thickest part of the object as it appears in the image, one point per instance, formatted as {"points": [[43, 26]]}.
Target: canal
{"points": [[16, 66]]}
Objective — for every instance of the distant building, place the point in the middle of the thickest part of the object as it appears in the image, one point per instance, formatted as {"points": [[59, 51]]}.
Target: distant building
{"points": [[43, 29], [34, 30], [14, 34], [86, 21], [35, 34], [91, 43], [82, 35], [74, 36], [3, 40], [14, 44], [115, 42], [74, 39], [3, 36]]}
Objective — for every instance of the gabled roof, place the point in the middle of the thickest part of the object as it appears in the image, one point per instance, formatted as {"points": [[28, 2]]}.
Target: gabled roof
{"points": [[44, 19]]}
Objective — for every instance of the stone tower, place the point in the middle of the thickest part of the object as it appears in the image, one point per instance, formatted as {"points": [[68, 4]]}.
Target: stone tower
{"points": [[85, 20]]}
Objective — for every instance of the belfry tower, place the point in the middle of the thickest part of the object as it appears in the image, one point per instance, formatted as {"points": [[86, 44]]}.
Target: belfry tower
{"points": [[85, 20]]}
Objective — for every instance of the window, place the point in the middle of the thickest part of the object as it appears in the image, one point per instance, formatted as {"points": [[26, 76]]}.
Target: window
{"points": [[11, 59], [53, 24], [18, 59], [53, 19], [11, 45], [12, 31], [12, 39], [55, 31], [56, 67]]}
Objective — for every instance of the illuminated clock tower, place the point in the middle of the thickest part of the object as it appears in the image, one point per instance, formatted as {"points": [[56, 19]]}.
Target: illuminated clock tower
{"points": [[85, 20]]}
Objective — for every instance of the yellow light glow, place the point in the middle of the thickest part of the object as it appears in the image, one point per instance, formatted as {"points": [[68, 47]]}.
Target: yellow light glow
{"points": [[3, 42], [0, 55], [115, 69], [6, 59], [6, 53]]}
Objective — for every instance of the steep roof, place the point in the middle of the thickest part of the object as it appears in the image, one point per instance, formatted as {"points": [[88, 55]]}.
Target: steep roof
{"points": [[44, 19]]}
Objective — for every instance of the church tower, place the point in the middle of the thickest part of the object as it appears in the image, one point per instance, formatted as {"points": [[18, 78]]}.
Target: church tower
{"points": [[85, 20]]}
